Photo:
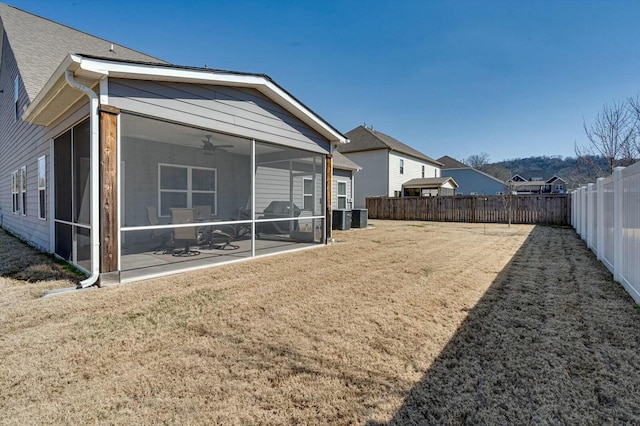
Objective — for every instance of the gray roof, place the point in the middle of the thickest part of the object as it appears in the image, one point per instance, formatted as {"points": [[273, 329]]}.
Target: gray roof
{"points": [[39, 45], [365, 139], [452, 163], [343, 163], [429, 182]]}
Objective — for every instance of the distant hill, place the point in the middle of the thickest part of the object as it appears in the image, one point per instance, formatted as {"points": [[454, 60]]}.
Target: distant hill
{"points": [[545, 167]]}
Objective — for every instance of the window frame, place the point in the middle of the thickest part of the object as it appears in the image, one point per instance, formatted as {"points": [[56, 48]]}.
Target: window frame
{"points": [[423, 170], [23, 189], [306, 195], [42, 187], [189, 191], [15, 192], [401, 166], [341, 196], [16, 97]]}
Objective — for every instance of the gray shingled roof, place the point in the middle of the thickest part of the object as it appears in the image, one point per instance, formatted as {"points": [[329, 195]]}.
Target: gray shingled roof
{"points": [[365, 139], [429, 182], [342, 162], [452, 163], [40, 45]]}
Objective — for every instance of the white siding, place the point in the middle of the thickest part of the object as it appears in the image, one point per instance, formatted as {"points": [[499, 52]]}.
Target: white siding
{"points": [[412, 170], [372, 179], [237, 111]]}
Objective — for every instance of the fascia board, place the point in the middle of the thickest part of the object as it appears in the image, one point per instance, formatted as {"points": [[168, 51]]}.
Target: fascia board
{"points": [[270, 89]]}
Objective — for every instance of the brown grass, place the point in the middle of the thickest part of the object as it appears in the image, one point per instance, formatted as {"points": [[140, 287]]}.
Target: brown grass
{"points": [[409, 322]]}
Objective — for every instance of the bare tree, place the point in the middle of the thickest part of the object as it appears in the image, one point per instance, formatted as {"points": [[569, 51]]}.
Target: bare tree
{"points": [[477, 161], [634, 106], [612, 136]]}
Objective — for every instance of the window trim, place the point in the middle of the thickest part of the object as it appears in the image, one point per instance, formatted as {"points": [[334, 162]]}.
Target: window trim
{"points": [[189, 191], [42, 187], [16, 97], [15, 193], [401, 166], [23, 189], [423, 170], [338, 196]]}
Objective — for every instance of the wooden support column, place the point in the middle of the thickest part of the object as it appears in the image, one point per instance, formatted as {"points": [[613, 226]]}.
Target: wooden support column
{"points": [[329, 178], [108, 188]]}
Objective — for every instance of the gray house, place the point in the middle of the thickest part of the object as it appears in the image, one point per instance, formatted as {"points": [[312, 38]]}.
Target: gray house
{"points": [[386, 164], [343, 185], [129, 167], [471, 181]]}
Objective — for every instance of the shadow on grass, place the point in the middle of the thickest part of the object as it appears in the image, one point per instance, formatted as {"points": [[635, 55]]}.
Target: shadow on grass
{"points": [[553, 341], [22, 262]]}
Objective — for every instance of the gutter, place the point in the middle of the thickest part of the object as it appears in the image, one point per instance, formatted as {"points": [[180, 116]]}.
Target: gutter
{"points": [[95, 187]]}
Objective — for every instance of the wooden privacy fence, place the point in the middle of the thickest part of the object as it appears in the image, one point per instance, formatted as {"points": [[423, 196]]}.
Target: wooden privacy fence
{"points": [[550, 209]]}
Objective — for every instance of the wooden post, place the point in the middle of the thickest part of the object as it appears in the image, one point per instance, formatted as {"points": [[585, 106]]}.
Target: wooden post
{"points": [[329, 178], [108, 188]]}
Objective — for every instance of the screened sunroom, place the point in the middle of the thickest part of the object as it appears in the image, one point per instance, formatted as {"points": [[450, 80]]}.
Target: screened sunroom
{"points": [[191, 197], [179, 168]]}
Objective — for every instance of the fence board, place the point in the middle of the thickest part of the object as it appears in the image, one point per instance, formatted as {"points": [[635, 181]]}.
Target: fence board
{"points": [[550, 209]]}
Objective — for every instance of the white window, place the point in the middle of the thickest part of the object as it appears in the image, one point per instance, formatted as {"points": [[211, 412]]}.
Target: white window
{"points": [[307, 193], [559, 187], [423, 171], [401, 167], [342, 195], [186, 186], [23, 188], [42, 187], [16, 95], [15, 191]]}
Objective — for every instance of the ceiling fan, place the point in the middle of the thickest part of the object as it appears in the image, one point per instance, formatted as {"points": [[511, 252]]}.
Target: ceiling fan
{"points": [[209, 148]]}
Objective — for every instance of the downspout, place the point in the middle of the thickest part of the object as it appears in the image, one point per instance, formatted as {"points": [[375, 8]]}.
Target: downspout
{"points": [[95, 187]]}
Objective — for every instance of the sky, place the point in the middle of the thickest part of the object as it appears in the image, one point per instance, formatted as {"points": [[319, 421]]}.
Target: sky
{"points": [[513, 79]]}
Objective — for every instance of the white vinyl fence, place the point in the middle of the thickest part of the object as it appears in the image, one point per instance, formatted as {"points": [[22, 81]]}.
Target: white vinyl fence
{"points": [[607, 216]]}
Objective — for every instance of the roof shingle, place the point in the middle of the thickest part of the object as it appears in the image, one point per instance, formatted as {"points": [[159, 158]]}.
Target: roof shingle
{"points": [[365, 139], [39, 45]]}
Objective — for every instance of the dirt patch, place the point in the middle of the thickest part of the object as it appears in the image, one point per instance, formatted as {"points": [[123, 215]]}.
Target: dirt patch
{"points": [[22, 263], [405, 322]]}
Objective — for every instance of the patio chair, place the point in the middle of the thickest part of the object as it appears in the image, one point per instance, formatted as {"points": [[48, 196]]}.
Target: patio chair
{"points": [[184, 236], [162, 237]]}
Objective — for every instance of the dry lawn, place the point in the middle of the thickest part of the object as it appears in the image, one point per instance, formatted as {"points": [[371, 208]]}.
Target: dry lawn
{"points": [[405, 323]]}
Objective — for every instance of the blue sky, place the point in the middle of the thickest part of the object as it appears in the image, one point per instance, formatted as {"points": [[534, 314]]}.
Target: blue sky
{"points": [[509, 78]]}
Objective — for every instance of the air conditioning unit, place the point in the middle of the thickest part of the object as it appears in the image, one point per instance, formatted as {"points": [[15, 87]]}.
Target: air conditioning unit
{"points": [[341, 219], [359, 218]]}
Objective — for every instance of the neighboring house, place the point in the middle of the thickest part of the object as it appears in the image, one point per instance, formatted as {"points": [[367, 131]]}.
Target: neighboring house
{"points": [[471, 181], [343, 185], [429, 187], [386, 164], [556, 185], [101, 148], [537, 185]]}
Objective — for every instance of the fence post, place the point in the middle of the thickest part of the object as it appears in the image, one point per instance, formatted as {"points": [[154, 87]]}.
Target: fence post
{"points": [[590, 217], [600, 218], [583, 212], [617, 222]]}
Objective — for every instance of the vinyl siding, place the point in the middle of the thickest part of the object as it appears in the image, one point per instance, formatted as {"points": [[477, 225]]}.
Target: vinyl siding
{"points": [[470, 180], [372, 179], [412, 170], [21, 144], [342, 176], [237, 111]]}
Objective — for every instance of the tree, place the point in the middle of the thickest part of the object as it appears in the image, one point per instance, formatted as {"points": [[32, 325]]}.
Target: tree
{"points": [[477, 161], [612, 136], [634, 105]]}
